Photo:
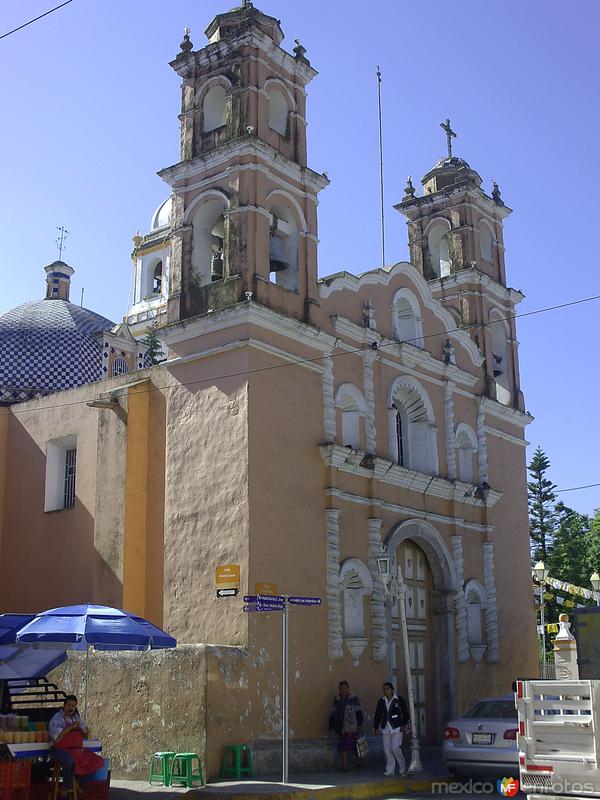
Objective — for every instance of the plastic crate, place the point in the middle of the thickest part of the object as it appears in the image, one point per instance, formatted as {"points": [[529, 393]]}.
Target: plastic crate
{"points": [[15, 775]]}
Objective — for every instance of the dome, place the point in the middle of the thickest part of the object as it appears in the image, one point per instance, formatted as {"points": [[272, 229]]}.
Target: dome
{"points": [[47, 346], [451, 163], [162, 216]]}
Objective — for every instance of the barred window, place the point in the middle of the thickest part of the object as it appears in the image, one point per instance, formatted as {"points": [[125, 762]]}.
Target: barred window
{"points": [[120, 366], [70, 471]]}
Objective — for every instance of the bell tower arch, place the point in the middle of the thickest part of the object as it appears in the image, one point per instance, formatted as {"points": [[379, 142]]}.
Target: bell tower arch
{"points": [[245, 210]]}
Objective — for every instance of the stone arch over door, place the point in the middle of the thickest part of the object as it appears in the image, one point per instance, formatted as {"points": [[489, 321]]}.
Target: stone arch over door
{"points": [[443, 589]]}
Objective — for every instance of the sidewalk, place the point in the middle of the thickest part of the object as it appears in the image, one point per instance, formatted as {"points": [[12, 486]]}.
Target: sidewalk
{"points": [[355, 785]]}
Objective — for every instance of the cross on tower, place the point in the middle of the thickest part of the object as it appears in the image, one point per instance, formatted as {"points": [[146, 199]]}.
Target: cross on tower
{"points": [[60, 242], [449, 134]]}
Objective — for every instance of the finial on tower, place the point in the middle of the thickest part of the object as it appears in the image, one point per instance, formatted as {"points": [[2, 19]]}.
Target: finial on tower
{"points": [[450, 134], [60, 241], [409, 189], [496, 196], [186, 44], [300, 51]]}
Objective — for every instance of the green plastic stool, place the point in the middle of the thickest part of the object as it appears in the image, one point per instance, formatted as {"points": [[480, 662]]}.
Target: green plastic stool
{"points": [[182, 770], [233, 766], [163, 772]]}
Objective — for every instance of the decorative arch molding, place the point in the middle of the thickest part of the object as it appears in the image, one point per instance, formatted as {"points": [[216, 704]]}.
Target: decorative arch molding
{"points": [[473, 586], [216, 80], [352, 569], [434, 547], [383, 277], [407, 327], [417, 397], [434, 222], [497, 316], [277, 83], [291, 202], [487, 240], [350, 390], [464, 430], [210, 194]]}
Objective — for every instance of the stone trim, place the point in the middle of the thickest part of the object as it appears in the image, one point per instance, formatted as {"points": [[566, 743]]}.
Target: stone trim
{"points": [[329, 416], [378, 617], [368, 357], [450, 437], [491, 610], [482, 462], [462, 638], [334, 609]]}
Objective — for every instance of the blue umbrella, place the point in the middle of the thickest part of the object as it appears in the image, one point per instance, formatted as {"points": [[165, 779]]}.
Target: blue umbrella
{"points": [[101, 627], [23, 661], [11, 624]]}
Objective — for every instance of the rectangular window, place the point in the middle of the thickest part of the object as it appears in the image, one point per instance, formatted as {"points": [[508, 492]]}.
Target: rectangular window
{"points": [[61, 467], [70, 466]]}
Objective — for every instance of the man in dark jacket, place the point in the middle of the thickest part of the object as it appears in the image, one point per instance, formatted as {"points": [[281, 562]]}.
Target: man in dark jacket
{"points": [[391, 716], [346, 720]]}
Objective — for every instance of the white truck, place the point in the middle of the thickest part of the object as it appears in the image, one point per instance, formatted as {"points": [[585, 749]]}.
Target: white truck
{"points": [[559, 738]]}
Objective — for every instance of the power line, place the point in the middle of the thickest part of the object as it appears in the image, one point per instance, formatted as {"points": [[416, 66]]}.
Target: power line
{"points": [[577, 488], [299, 362], [35, 19]]}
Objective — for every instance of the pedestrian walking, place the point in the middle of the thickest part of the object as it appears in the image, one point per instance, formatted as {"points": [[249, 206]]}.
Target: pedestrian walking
{"points": [[391, 717], [346, 720]]}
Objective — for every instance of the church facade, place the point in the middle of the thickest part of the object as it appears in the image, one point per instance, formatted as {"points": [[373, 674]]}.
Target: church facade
{"points": [[296, 426]]}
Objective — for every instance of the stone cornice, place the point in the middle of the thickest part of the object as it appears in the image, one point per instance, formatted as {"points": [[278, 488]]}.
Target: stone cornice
{"points": [[250, 313], [383, 277], [518, 418], [474, 275], [356, 462], [408, 511], [244, 146], [453, 195], [410, 355]]}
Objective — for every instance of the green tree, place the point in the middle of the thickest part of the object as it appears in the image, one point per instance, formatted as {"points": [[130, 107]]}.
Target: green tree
{"points": [[153, 344], [542, 515]]}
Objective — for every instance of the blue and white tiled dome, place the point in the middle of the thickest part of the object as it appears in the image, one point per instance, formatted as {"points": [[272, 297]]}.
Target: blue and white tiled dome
{"points": [[49, 345]]}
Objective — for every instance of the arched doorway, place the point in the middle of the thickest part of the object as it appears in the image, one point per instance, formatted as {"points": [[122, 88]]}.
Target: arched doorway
{"points": [[421, 558]]}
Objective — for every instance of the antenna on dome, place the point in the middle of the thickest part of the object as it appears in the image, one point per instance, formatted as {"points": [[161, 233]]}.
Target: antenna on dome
{"points": [[60, 241]]}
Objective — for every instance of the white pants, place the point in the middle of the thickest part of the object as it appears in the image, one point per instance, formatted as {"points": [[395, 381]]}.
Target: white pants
{"points": [[392, 746]]}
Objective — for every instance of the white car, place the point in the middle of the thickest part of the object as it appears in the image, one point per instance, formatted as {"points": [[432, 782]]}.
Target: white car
{"points": [[484, 740]]}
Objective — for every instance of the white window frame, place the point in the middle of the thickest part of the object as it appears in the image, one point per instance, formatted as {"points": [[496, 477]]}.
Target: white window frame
{"points": [[56, 462]]}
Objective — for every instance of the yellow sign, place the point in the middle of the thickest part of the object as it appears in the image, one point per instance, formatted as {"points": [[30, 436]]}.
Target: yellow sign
{"points": [[228, 576], [265, 588]]}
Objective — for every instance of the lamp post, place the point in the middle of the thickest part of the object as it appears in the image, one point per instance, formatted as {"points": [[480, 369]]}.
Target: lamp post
{"points": [[394, 587], [541, 574]]}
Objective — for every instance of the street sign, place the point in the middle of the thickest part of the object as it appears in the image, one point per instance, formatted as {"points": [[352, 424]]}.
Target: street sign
{"points": [[227, 592], [305, 601], [265, 588], [270, 598], [263, 609], [249, 598], [227, 580]]}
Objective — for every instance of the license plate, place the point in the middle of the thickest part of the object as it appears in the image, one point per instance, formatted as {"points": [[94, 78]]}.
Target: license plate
{"points": [[481, 738]]}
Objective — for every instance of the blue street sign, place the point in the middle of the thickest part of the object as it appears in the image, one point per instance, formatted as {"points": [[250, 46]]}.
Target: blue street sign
{"points": [[270, 598], [252, 608], [305, 601], [250, 598], [263, 607]]}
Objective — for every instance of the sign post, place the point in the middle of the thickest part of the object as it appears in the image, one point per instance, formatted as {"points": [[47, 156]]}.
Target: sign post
{"points": [[227, 580], [281, 602]]}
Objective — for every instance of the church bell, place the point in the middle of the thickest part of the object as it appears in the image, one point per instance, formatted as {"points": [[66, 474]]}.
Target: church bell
{"points": [[216, 268]]}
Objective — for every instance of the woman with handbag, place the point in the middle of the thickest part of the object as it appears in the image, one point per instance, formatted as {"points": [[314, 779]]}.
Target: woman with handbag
{"points": [[391, 717], [346, 720]]}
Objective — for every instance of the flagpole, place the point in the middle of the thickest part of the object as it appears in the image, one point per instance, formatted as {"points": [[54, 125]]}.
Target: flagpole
{"points": [[381, 168]]}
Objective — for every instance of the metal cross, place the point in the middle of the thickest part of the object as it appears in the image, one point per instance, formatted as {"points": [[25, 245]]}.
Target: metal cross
{"points": [[449, 134], [60, 242]]}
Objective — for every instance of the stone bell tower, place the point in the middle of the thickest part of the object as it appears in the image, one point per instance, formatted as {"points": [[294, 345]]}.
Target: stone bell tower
{"points": [[244, 215], [456, 240]]}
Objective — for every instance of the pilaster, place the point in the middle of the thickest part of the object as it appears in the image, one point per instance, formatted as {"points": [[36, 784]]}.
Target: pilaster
{"points": [[378, 621], [491, 610], [334, 609], [462, 639]]}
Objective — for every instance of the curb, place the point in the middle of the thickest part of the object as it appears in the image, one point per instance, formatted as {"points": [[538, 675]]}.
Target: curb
{"points": [[354, 791]]}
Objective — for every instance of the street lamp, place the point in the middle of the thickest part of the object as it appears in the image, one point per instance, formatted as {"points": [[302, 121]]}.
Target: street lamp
{"points": [[394, 588], [595, 581], [541, 573]]}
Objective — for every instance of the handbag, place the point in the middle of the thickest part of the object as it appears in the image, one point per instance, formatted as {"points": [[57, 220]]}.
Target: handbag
{"points": [[362, 746]]}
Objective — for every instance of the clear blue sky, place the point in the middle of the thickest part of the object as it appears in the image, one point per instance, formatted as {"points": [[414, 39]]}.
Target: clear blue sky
{"points": [[89, 114]]}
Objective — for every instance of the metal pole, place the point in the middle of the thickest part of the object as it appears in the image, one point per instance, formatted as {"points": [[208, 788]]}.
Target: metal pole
{"points": [[543, 621], [85, 702], [415, 756], [285, 687], [381, 168]]}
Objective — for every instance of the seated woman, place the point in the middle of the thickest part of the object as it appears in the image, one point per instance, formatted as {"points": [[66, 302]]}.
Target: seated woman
{"points": [[67, 732]]}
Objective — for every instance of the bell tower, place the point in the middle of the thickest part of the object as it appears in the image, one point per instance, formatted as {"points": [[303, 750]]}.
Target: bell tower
{"points": [[244, 216], [456, 241]]}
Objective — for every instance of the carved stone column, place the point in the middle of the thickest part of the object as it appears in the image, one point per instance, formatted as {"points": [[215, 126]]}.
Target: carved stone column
{"points": [[462, 639], [449, 422], [481, 443], [329, 421], [334, 609], [491, 610], [370, 435], [378, 621]]}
